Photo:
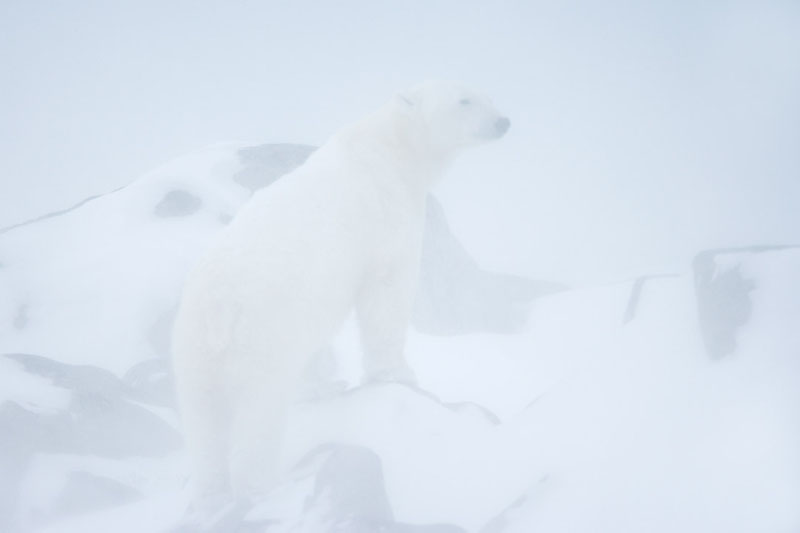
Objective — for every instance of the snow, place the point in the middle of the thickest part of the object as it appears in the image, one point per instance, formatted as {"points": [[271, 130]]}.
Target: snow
{"points": [[67, 285], [642, 133], [583, 421]]}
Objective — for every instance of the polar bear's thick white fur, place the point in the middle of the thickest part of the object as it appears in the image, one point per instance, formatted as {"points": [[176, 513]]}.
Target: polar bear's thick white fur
{"points": [[343, 231]]}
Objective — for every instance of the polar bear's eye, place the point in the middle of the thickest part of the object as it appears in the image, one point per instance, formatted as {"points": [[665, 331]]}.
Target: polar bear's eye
{"points": [[465, 101]]}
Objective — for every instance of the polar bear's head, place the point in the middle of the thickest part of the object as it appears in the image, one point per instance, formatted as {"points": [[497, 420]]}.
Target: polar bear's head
{"points": [[450, 116]]}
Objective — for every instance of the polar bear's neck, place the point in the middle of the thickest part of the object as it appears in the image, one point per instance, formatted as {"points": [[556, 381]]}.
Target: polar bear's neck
{"points": [[397, 146]]}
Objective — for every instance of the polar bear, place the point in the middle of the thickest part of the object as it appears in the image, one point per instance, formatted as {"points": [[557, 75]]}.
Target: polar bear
{"points": [[341, 232]]}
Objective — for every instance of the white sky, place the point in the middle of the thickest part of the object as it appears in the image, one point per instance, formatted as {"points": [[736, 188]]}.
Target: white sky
{"points": [[641, 132]]}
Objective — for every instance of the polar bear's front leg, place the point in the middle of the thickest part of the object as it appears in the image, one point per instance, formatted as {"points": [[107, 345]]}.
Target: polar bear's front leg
{"points": [[384, 310]]}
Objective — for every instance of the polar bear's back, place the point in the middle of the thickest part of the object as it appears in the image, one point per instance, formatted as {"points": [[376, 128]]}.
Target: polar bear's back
{"points": [[279, 278]]}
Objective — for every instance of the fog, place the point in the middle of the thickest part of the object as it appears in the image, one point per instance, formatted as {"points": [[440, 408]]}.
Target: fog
{"points": [[655, 142], [641, 133]]}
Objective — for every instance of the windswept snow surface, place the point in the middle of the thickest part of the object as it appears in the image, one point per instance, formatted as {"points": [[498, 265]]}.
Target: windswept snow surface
{"points": [[599, 426], [598, 416]]}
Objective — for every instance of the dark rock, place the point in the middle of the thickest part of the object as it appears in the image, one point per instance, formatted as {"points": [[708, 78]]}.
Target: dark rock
{"points": [[636, 294], [456, 296], [177, 203], [723, 306], [723, 298], [350, 482], [100, 420], [103, 419], [265, 163], [84, 492], [349, 489], [84, 378]]}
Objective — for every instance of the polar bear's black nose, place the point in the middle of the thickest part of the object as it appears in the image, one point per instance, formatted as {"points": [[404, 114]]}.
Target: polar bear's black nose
{"points": [[502, 125]]}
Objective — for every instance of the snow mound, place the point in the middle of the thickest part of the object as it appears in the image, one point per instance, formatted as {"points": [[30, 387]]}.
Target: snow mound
{"points": [[95, 285]]}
